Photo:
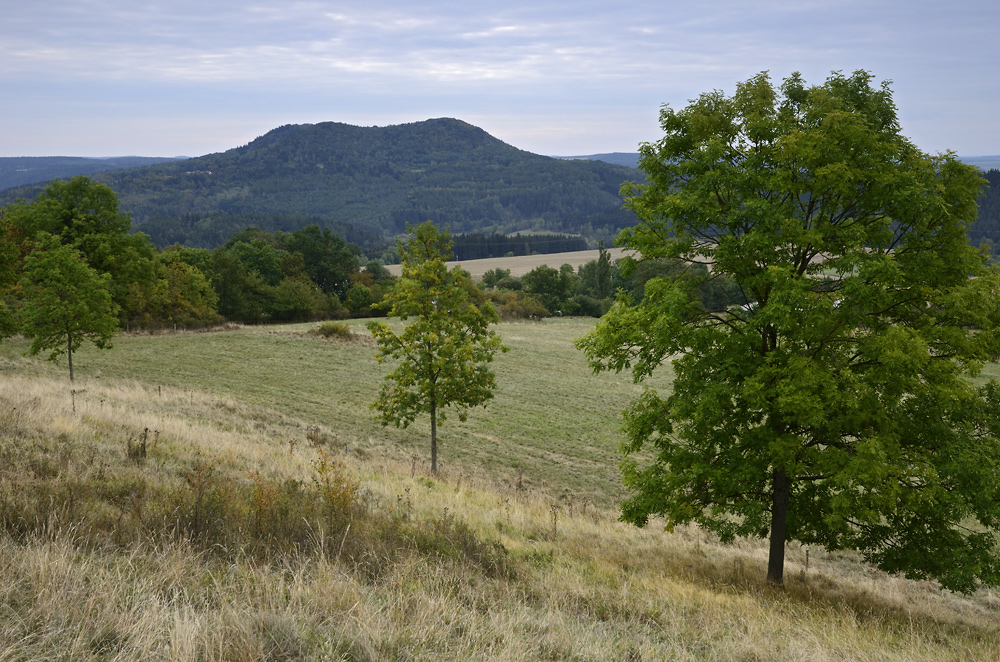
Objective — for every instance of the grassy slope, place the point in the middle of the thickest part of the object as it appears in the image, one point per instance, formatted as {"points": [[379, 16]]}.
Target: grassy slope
{"points": [[584, 587], [551, 417]]}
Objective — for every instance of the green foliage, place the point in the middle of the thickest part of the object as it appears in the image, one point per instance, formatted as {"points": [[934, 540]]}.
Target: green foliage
{"points": [[596, 277], [553, 287], [188, 299], [273, 277], [329, 261], [148, 290], [835, 408], [8, 277], [514, 305], [478, 246], [986, 229], [494, 276], [85, 215], [66, 302], [444, 353]]}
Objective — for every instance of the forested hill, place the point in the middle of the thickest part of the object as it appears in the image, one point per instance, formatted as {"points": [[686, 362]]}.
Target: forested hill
{"points": [[986, 229], [25, 170], [375, 179]]}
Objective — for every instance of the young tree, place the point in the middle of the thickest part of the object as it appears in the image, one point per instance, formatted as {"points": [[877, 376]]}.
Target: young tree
{"points": [[66, 301], [444, 353], [835, 408]]}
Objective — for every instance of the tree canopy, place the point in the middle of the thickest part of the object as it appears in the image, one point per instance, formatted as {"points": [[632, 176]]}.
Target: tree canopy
{"points": [[443, 354], [836, 407], [66, 301]]}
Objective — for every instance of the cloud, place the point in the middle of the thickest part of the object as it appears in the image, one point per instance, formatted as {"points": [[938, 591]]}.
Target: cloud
{"points": [[551, 61]]}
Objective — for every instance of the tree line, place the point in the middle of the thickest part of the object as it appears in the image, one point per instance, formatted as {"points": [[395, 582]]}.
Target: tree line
{"points": [[479, 246], [592, 288], [71, 271], [986, 229]]}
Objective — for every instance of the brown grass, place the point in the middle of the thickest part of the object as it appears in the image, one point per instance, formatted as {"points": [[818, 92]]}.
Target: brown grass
{"points": [[578, 585], [523, 264]]}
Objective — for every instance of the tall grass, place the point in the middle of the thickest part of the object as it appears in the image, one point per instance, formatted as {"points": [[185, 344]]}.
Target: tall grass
{"points": [[320, 537]]}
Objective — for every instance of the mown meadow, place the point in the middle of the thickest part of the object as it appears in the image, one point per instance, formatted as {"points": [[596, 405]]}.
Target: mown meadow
{"points": [[227, 495]]}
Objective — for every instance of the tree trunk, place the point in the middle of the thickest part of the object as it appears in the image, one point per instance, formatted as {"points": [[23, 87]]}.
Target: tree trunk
{"points": [[434, 438], [69, 353], [779, 515]]}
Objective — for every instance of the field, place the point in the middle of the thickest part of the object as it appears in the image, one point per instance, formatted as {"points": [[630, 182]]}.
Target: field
{"points": [[524, 263], [189, 551]]}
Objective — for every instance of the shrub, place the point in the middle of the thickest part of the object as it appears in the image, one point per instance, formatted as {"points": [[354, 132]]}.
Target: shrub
{"points": [[334, 330], [517, 306]]}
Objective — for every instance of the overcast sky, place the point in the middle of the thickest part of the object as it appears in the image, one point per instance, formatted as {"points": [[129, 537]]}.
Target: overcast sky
{"points": [[191, 77]]}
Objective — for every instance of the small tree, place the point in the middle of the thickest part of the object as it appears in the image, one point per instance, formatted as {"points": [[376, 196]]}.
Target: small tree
{"points": [[445, 351], [66, 301], [835, 408]]}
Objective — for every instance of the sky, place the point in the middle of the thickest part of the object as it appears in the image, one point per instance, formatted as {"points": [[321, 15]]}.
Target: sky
{"points": [[192, 77]]}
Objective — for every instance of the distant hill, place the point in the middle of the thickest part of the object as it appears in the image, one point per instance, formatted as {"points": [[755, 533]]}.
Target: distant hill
{"points": [[627, 159], [22, 170], [367, 183], [374, 179], [984, 163], [631, 159]]}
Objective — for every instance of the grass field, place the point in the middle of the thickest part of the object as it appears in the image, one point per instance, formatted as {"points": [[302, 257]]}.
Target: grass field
{"points": [[551, 419], [104, 557], [524, 263]]}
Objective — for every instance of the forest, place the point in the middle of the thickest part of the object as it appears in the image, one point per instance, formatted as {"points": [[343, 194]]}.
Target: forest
{"points": [[986, 229]]}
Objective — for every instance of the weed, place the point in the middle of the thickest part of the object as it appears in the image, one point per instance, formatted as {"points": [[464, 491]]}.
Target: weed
{"points": [[337, 492], [137, 452]]}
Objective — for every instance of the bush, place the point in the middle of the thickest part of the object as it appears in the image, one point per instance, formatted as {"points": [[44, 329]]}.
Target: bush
{"points": [[517, 306], [334, 331]]}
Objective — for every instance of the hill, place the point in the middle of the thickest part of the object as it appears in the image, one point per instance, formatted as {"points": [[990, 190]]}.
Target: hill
{"points": [[185, 502], [375, 179], [24, 170], [628, 159]]}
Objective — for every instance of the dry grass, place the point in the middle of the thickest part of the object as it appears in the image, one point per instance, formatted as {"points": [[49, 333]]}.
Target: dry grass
{"points": [[577, 584], [522, 264]]}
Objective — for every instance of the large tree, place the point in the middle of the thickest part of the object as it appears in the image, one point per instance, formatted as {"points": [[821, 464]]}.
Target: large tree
{"points": [[836, 407], [84, 214], [443, 354], [66, 301]]}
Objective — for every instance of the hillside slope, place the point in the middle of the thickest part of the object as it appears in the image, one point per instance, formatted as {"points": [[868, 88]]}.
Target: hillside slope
{"points": [[219, 540]]}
